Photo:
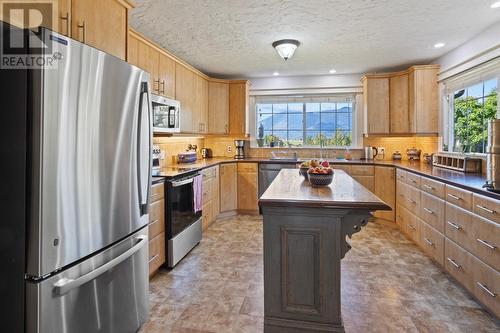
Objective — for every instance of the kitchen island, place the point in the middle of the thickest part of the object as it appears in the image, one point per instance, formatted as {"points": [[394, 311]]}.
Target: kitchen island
{"points": [[305, 231]]}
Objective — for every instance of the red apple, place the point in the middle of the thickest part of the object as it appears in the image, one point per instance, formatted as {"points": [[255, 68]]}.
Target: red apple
{"points": [[325, 164]]}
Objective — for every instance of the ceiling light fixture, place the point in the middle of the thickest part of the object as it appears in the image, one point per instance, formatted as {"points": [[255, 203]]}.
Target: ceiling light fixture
{"points": [[439, 45], [276, 73], [333, 71], [286, 47], [495, 5]]}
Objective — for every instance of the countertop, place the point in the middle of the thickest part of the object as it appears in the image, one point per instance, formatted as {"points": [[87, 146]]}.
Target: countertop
{"points": [[468, 181], [291, 189]]}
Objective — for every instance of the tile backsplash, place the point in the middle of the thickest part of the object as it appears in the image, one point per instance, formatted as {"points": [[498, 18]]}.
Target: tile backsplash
{"points": [[392, 144], [171, 146]]}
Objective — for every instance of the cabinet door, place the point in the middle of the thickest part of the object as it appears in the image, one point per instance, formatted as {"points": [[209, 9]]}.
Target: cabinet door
{"points": [[424, 100], [228, 187], [247, 187], [376, 96], [102, 24], [184, 92], [64, 19], [166, 74], [238, 107], [385, 189], [133, 50], [399, 104], [216, 192], [200, 114], [148, 59], [218, 108], [366, 181]]}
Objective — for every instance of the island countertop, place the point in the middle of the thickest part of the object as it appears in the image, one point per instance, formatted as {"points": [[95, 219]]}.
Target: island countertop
{"points": [[290, 189]]}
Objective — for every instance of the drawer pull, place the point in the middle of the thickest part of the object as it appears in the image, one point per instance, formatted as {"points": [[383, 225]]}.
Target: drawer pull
{"points": [[454, 263], [153, 258], [428, 187], [485, 243], [454, 225], [454, 196], [492, 294], [412, 180], [153, 222], [412, 227], [486, 209], [428, 241], [428, 210], [412, 201]]}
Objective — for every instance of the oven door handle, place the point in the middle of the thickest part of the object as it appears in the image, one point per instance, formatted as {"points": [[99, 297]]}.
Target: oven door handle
{"points": [[182, 182]]}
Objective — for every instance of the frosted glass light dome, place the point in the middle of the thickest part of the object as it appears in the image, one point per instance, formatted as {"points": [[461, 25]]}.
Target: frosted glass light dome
{"points": [[286, 47]]}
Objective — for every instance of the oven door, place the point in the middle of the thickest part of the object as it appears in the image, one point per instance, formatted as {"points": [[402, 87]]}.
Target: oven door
{"points": [[180, 203]]}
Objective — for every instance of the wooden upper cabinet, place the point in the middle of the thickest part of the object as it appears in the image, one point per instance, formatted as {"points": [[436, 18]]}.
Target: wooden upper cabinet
{"points": [[424, 99], [166, 74], [399, 104], [218, 107], [376, 100], [64, 19], [149, 59], [200, 115], [238, 106], [102, 24], [133, 50], [184, 92]]}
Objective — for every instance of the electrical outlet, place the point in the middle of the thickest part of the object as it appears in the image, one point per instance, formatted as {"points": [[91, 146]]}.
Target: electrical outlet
{"points": [[162, 155], [229, 149]]}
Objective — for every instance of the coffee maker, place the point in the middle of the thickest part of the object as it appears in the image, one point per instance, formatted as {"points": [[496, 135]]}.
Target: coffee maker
{"points": [[242, 147]]}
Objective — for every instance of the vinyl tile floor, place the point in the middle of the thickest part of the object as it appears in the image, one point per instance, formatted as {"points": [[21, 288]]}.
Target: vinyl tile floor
{"points": [[388, 285]]}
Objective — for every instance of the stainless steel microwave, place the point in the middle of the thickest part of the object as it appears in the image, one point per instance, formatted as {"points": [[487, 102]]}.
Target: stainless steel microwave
{"points": [[166, 115]]}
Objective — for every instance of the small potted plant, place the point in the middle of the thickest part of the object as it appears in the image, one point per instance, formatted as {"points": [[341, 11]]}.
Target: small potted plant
{"points": [[260, 140]]}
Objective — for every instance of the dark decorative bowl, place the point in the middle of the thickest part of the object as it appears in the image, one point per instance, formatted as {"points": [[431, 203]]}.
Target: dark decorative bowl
{"points": [[320, 180], [303, 172]]}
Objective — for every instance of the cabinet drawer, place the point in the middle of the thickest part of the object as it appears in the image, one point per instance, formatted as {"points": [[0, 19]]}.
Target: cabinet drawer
{"points": [[413, 179], [400, 192], [432, 210], [207, 190], [412, 196], [459, 197], [247, 167], [432, 242], [345, 168], [486, 207], [459, 263], [432, 187], [209, 172], [400, 216], [157, 192], [412, 227], [486, 241], [401, 175], [362, 170], [458, 226], [156, 218], [487, 286], [156, 252]]}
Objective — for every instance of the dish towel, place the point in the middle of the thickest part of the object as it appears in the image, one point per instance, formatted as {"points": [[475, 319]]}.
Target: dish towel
{"points": [[197, 193]]}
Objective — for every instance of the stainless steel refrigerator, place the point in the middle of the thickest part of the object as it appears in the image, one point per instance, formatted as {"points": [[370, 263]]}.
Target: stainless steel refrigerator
{"points": [[76, 142]]}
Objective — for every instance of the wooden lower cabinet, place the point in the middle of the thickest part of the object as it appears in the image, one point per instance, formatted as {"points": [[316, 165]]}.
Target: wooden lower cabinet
{"points": [[156, 253], [385, 189], [432, 210], [458, 262], [487, 286], [248, 187], [156, 228], [432, 241], [211, 200], [228, 187], [366, 181]]}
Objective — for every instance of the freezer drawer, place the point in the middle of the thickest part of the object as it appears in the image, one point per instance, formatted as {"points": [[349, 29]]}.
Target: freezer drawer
{"points": [[105, 293]]}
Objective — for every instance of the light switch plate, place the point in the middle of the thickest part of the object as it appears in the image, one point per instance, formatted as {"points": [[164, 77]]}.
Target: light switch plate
{"points": [[229, 149]]}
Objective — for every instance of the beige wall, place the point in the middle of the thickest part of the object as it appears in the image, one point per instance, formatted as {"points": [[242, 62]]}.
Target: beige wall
{"points": [[392, 144]]}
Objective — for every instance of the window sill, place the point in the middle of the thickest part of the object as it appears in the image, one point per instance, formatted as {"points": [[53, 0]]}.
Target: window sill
{"points": [[475, 155], [312, 147]]}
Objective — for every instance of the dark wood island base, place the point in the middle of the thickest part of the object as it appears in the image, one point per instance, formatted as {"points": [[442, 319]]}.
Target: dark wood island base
{"points": [[305, 233]]}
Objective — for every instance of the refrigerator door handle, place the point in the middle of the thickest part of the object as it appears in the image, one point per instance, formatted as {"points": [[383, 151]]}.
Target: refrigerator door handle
{"points": [[143, 201], [65, 285]]}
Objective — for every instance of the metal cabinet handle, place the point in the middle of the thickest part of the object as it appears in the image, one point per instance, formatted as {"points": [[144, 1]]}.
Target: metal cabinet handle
{"points": [[412, 227], [428, 210], [485, 243], [66, 18], [454, 263], [428, 241], [412, 201], [456, 226], [485, 288], [154, 257], [454, 196], [156, 81], [412, 180], [226, 128], [153, 222], [428, 187], [163, 86], [486, 209], [82, 26], [65, 285]]}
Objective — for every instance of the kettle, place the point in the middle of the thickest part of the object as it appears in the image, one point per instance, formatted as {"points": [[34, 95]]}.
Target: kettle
{"points": [[370, 153]]}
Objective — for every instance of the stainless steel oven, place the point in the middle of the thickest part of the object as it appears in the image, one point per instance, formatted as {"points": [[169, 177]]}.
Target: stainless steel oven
{"points": [[166, 114], [183, 227]]}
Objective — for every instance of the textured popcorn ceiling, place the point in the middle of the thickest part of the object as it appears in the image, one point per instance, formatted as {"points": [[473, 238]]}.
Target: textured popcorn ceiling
{"points": [[232, 38]]}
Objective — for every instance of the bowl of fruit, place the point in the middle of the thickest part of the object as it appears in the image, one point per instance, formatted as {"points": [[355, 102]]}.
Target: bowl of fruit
{"points": [[304, 167], [321, 175]]}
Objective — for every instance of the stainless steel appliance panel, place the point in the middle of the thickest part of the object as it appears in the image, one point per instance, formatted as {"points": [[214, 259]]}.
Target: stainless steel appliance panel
{"points": [[92, 157], [183, 242], [105, 293], [269, 171]]}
